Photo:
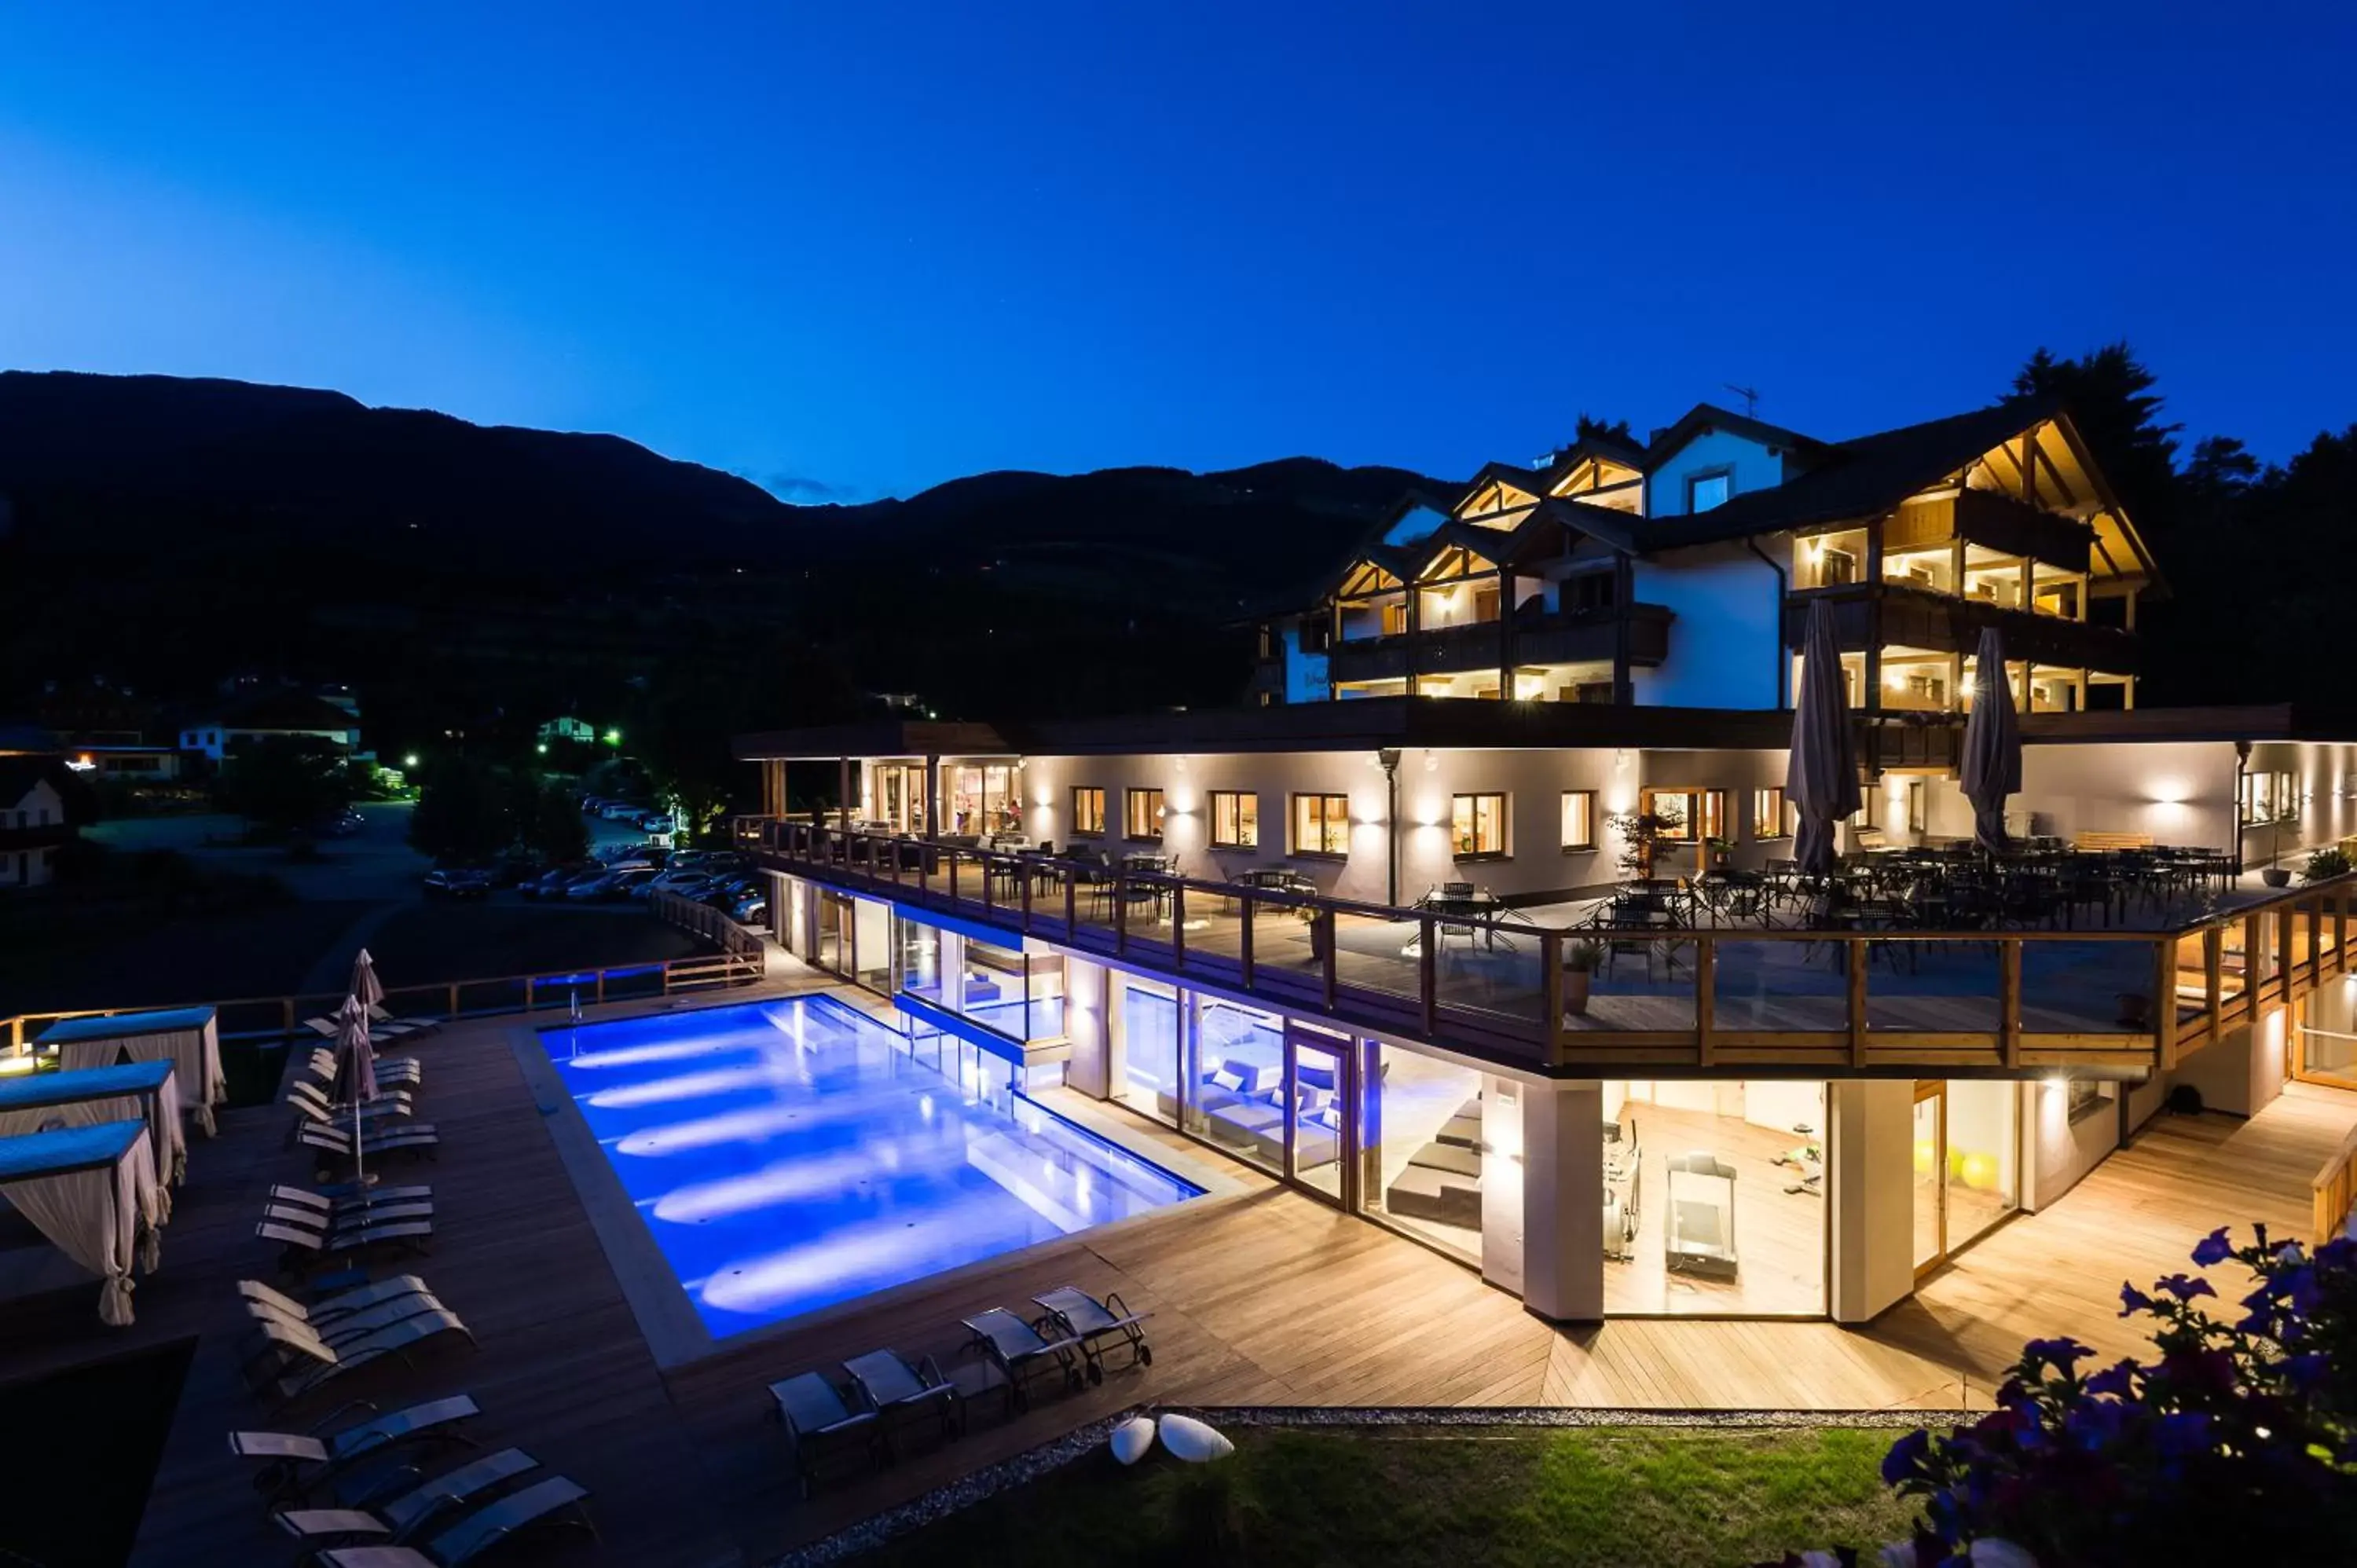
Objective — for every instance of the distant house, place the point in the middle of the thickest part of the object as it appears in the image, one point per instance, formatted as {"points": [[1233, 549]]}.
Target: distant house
{"points": [[131, 764], [569, 728], [272, 713], [32, 821]]}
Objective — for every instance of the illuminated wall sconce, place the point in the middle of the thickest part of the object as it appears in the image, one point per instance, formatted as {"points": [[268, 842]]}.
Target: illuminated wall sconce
{"points": [[1621, 760], [1431, 760]]}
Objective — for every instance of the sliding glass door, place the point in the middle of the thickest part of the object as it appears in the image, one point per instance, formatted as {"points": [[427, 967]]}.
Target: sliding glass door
{"points": [[1317, 1072]]}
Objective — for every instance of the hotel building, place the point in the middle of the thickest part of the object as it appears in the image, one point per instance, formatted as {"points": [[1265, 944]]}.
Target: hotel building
{"points": [[1347, 933]]}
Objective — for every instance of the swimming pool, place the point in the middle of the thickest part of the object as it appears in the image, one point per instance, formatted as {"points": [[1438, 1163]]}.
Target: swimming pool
{"points": [[788, 1156]]}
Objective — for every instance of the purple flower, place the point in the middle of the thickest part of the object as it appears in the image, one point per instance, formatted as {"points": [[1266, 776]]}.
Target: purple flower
{"points": [[2185, 1287], [2341, 1253], [2182, 1431], [2306, 1370], [2213, 1249], [2133, 1300], [2061, 1354], [1905, 1459], [2115, 1379]]}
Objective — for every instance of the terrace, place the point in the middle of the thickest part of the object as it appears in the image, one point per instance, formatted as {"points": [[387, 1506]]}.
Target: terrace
{"points": [[1262, 1297], [2107, 963]]}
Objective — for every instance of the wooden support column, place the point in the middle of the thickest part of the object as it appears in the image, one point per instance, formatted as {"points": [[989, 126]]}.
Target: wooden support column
{"points": [[1854, 948], [843, 793], [2008, 1000], [2164, 1003], [932, 817], [1704, 966], [1505, 635]]}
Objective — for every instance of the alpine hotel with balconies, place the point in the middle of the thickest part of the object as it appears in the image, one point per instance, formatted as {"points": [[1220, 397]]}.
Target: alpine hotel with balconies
{"points": [[1397, 932]]}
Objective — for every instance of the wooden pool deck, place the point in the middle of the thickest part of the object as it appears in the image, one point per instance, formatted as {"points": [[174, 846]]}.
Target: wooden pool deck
{"points": [[1262, 1297]]}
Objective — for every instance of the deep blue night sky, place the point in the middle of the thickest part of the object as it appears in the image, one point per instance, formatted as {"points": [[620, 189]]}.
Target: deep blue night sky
{"points": [[860, 248]]}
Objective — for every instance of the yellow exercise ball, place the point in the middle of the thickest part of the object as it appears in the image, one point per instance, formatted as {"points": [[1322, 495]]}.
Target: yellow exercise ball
{"points": [[1980, 1172], [1923, 1157]]}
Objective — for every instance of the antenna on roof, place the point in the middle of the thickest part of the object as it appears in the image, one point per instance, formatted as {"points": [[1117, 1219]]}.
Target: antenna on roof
{"points": [[1750, 396]]}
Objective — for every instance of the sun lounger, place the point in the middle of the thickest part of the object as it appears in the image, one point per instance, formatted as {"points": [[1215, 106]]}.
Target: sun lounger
{"points": [[901, 1394], [1095, 1322], [341, 1328], [341, 1304], [404, 1516], [821, 1425], [304, 1249], [416, 1139], [327, 1361], [556, 1500], [349, 1218], [1021, 1352], [382, 1026], [312, 1101], [349, 1203], [298, 1463], [402, 1070]]}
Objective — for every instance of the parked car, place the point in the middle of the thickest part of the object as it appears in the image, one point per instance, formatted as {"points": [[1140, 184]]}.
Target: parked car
{"points": [[608, 885], [549, 884], [722, 894], [657, 822], [619, 810], [458, 881], [753, 910], [515, 870], [593, 804], [682, 884]]}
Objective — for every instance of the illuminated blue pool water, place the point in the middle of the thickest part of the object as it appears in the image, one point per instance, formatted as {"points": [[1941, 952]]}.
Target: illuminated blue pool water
{"points": [[788, 1156]]}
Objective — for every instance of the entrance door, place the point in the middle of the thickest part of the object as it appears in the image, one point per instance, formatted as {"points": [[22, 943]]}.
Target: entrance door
{"points": [[1930, 1173], [1316, 1081]]}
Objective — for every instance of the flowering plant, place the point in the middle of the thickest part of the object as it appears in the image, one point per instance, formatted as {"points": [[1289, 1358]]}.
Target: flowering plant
{"points": [[2237, 1443]]}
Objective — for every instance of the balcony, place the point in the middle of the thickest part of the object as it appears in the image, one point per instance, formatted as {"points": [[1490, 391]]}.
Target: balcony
{"points": [[1994, 521], [1574, 637], [1915, 617], [1760, 1000]]}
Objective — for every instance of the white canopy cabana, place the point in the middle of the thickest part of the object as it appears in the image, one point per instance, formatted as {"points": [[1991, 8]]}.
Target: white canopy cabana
{"points": [[38, 1101], [187, 1035], [92, 1192]]}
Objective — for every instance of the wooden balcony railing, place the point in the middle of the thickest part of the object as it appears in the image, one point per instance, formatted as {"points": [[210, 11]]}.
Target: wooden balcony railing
{"points": [[1615, 1003], [2334, 1192]]}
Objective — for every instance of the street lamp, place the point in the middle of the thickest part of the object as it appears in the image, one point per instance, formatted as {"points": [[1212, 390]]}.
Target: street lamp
{"points": [[410, 760], [613, 737], [541, 748]]}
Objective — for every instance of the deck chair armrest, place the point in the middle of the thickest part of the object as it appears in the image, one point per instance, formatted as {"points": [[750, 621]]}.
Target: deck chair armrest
{"points": [[364, 1407]]}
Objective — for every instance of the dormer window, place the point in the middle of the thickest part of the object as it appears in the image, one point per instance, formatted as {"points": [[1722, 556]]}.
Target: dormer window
{"points": [[1704, 491]]}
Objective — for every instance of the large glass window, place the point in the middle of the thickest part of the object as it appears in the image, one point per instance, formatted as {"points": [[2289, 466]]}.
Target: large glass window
{"points": [[982, 799], [1715, 1197], [1477, 825], [1142, 814], [919, 959], [1981, 1155], [1321, 824], [1699, 814], [1421, 1149], [1147, 1013], [1088, 811], [1704, 491], [2267, 796], [995, 992], [871, 944], [1768, 818], [898, 796], [1239, 1098], [1236, 820]]}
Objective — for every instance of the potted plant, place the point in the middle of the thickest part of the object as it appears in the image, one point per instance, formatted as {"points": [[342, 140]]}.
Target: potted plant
{"points": [[1642, 835], [1580, 961], [2326, 863], [1721, 854]]}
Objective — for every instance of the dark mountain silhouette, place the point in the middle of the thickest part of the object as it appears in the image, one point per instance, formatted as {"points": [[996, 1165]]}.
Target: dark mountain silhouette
{"points": [[173, 530]]}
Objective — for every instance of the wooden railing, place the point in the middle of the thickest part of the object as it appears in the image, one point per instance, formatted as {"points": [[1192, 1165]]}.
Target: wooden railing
{"points": [[2334, 1192], [1895, 1003], [715, 926], [738, 961]]}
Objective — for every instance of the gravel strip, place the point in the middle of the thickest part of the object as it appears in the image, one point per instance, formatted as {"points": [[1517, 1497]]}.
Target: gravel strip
{"points": [[992, 1479]]}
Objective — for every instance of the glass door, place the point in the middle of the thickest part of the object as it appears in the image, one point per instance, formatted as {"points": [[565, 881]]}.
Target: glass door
{"points": [[1316, 1089], [1931, 1169]]}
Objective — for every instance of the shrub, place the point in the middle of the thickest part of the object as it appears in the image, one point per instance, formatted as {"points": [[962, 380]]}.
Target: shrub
{"points": [[2326, 863]]}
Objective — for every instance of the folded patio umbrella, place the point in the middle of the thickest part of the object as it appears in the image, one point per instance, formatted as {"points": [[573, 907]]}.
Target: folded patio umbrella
{"points": [[365, 981], [1821, 771], [1992, 761], [355, 1069]]}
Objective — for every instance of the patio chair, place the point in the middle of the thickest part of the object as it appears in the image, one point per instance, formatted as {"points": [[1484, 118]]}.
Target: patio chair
{"points": [[1021, 1352], [322, 1362], [400, 1071], [350, 1329], [556, 1500], [899, 1393], [288, 1454], [406, 1515], [821, 1425], [1093, 1322]]}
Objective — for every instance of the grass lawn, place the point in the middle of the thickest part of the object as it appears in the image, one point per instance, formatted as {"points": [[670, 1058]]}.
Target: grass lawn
{"points": [[1626, 1497]]}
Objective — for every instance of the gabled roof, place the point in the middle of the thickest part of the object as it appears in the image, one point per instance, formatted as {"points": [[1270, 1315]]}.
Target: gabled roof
{"points": [[1602, 447], [1857, 479], [1527, 480], [1703, 417]]}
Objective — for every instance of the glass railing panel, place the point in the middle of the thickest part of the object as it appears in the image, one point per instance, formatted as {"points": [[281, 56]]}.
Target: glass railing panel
{"points": [[1374, 953], [1642, 981], [1758, 986], [1489, 974], [2086, 987], [2192, 983], [1287, 940], [1147, 908], [1922, 983]]}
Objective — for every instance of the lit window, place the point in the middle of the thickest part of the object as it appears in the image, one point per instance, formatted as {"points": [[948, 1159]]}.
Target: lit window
{"points": [[1478, 823], [1321, 824], [1697, 813], [1704, 491], [1088, 811], [1769, 818], [1236, 820], [1579, 819], [1142, 813]]}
